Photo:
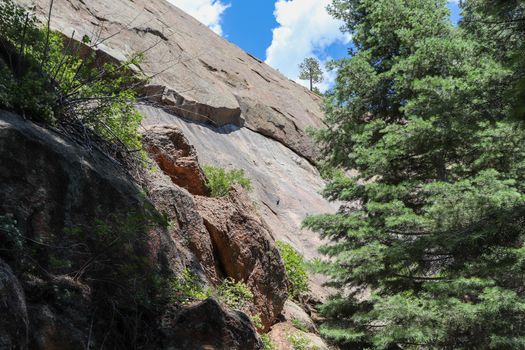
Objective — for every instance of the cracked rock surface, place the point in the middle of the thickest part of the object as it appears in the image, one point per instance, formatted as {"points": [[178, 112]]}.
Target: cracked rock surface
{"points": [[197, 74]]}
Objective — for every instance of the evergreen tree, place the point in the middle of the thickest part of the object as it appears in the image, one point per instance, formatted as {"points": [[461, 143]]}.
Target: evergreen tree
{"points": [[501, 25], [428, 251], [311, 70]]}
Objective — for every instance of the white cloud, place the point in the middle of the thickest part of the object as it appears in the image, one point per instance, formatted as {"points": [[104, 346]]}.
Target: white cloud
{"points": [[305, 30], [208, 12]]}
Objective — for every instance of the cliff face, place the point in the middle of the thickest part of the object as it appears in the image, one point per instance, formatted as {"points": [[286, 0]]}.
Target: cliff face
{"points": [[236, 111], [207, 102], [197, 74]]}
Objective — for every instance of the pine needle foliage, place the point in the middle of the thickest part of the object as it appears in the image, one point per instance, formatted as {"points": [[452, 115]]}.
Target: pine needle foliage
{"points": [[428, 251]]}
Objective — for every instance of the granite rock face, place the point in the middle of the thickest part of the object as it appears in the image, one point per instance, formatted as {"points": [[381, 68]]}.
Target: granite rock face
{"points": [[197, 74], [235, 110]]}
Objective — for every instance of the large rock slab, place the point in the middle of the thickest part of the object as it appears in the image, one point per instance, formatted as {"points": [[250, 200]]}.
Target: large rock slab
{"points": [[196, 73]]}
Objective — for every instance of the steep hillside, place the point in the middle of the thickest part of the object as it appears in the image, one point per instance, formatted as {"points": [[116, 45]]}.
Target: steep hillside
{"points": [[235, 110], [82, 235]]}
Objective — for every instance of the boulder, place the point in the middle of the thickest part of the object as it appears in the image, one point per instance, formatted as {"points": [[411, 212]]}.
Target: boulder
{"points": [[294, 313], [245, 250], [170, 149], [186, 228], [209, 325], [14, 323], [49, 184]]}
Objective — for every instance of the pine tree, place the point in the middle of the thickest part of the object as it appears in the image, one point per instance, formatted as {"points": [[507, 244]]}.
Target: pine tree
{"points": [[501, 24], [311, 70], [428, 251]]}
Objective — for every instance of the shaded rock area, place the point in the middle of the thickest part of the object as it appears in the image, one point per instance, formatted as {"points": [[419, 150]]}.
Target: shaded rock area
{"points": [[245, 251], [13, 329], [73, 275], [209, 325]]}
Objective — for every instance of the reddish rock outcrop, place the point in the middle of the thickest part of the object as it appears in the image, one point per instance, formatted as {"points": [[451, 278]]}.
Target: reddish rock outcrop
{"points": [[168, 146], [245, 250]]}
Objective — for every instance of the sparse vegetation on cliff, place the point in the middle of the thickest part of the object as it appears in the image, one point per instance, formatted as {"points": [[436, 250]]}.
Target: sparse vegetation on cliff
{"points": [[294, 265], [61, 82], [220, 180]]}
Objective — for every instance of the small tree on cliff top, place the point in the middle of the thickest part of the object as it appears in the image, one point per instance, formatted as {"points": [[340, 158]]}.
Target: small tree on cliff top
{"points": [[311, 70]]}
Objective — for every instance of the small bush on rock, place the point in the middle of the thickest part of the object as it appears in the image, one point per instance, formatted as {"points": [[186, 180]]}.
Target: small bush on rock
{"points": [[295, 270], [187, 287], [219, 180], [235, 294], [299, 341], [267, 342]]}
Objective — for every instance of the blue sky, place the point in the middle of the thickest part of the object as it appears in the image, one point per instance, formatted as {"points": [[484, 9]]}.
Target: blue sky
{"points": [[280, 32]]}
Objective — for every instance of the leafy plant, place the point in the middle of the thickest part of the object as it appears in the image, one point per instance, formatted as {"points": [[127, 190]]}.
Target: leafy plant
{"points": [[299, 325], [267, 342], [235, 294], [50, 79], [187, 287], [219, 180], [295, 270], [299, 341]]}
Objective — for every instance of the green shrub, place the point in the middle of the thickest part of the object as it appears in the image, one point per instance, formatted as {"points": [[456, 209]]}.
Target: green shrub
{"points": [[267, 342], [299, 341], [295, 270], [219, 180], [187, 287], [299, 325], [236, 295], [43, 77]]}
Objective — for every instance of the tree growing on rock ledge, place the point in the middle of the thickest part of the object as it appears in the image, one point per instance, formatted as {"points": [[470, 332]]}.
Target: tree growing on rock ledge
{"points": [[311, 70], [429, 251]]}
